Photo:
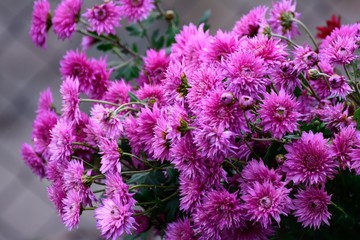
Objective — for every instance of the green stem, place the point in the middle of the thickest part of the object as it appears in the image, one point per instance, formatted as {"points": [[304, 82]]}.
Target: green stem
{"points": [[340, 209], [285, 38], [274, 88], [123, 64], [150, 186], [127, 104], [98, 101], [357, 90], [159, 8], [266, 140], [135, 172], [98, 191], [156, 206], [145, 33], [89, 164], [307, 32], [251, 149], [347, 73], [310, 87], [232, 166], [88, 208]]}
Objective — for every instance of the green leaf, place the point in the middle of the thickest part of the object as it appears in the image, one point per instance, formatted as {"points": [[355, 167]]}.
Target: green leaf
{"points": [[171, 209], [128, 72], [271, 152], [357, 118], [204, 19], [135, 30], [105, 47], [133, 97], [138, 178]]}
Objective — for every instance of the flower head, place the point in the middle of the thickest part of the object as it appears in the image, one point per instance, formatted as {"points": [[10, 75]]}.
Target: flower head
{"points": [[116, 186], [65, 18], [155, 65], [103, 18], [251, 24], [278, 113], [110, 123], [179, 230], [110, 159], [33, 160], [62, 136], [71, 209], [309, 160], [114, 218], [331, 24], [118, 92], [311, 207], [70, 99], [41, 22], [136, 10]]}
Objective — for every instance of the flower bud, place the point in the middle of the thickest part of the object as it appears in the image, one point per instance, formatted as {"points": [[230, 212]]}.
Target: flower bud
{"points": [[227, 98], [313, 74], [169, 15], [246, 102]]}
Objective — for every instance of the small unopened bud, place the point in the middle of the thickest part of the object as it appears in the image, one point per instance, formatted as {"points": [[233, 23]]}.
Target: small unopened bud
{"points": [[313, 74], [227, 98], [169, 15], [280, 158], [246, 102]]}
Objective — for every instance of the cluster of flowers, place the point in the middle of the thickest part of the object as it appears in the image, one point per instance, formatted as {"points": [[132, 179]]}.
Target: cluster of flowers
{"points": [[215, 108]]}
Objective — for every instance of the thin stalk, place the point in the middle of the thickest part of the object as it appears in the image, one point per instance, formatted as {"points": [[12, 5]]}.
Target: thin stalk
{"points": [[89, 164], [145, 33], [99, 191], [123, 64], [292, 43], [274, 88], [98, 101], [251, 149], [159, 8], [266, 140], [150, 186], [232, 166], [135, 172], [88, 208], [307, 32], [310, 87], [340, 209], [347, 73], [127, 104], [356, 81]]}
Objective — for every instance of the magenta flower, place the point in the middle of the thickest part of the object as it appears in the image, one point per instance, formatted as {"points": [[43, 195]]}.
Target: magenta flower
{"points": [[309, 160], [103, 18], [70, 99], [344, 145], [219, 210], [246, 74], [41, 22], [251, 231], [251, 24], [179, 230], [281, 16], [71, 209], [115, 186], [118, 92], [155, 65], [339, 86], [100, 81], [136, 10], [286, 77], [264, 202], [43, 123], [76, 65], [153, 94], [305, 58], [45, 102], [278, 113], [355, 159], [33, 160], [87, 42], [160, 147], [110, 159], [66, 16], [336, 116], [191, 192], [114, 218], [110, 124], [311, 207], [56, 195], [62, 136]]}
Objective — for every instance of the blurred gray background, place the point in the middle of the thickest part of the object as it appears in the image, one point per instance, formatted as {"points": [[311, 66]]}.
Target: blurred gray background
{"points": [[25, 211]]}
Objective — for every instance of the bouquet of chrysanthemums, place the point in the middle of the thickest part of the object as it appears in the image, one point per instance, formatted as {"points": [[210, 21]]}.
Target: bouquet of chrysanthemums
{"points": [[241, 134]]}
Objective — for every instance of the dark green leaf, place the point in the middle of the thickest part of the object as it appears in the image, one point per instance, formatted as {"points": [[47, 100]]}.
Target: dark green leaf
{"points": [[135, 30], [138, 178], [105, 47], [133, 97], [357, 118], [205, 18]]}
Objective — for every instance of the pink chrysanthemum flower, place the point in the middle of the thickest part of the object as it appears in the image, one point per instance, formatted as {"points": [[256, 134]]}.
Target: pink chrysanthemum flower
{"points": [[219, 48], [45, 102], [43, 123], [118, 92], [114, 218], [186, 158], [87, 42], [278, 113], [33, 160], [62, 136], [155, 65], [110, 159], [180, 230], [251, 24], [71, 209], [309, 160], [56, 194], [219, 210], [285, 76], [339, 86], [110, 124], [245, 74], [178, 122], [41, 22], [202, 80], [176, 83], [219, 107], [103, 18], [265, 202], [335, 116], [191, 192], [311, 207], [251, 231], [116, 186], [339, 47], [66, 15], [70, 99], [214, 142], [153, 94], [280, 19], [100, 81], [160, 147], [256, 171], [136, 10], [76, 65], [272, 50], [305, 58], [344, 142], [355, 159]]}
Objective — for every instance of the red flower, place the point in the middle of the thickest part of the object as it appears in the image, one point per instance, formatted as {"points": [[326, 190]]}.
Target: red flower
{"points": [[331, 24]]}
